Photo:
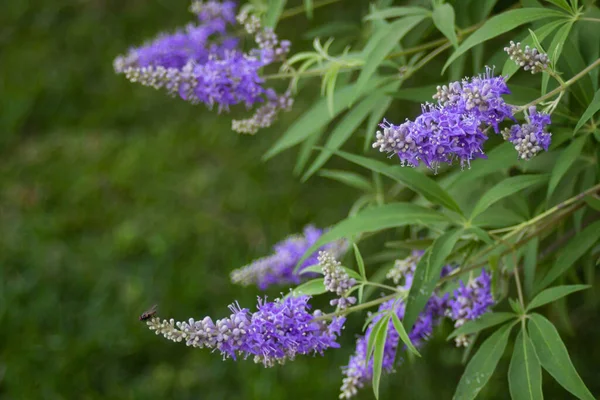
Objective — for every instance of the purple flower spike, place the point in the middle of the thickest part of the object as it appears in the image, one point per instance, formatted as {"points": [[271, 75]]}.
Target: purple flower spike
{"points": [[530, 138], [278, 268]]}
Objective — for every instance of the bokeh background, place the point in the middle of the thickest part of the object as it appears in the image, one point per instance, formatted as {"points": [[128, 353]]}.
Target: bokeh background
{"points": [[114, 197]]}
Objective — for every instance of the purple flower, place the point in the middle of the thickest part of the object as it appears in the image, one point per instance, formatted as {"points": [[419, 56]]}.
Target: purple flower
{"points": [[530, 138], [276, 332], [278, 268], [469, 302]]}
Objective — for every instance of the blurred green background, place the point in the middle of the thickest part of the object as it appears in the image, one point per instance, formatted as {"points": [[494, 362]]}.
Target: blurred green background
{"points": [[114, 197]]}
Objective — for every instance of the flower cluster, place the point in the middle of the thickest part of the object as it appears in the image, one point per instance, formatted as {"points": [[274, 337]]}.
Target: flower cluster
{"points": [[336, 280], [530, 138], [276, 332], [454, 128], [530, 58], [203, 63], [469, 302], [279, 267]]}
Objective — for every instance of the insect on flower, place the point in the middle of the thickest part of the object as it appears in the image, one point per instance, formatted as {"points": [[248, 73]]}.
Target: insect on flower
{"points": [[149, 313]]}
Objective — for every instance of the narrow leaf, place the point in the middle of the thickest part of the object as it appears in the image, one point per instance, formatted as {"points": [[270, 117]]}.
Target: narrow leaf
{"points": [[360, 262], [555, 293], [310, 288], [348, 178], [562, 4], [417, 94], [529, 265], [506, 188], [566, 158], [525, 372], [403, 335], [410, 177], [395, 12], [274, 12], [427, 275], [308, 7], [570, 253], [482, 365], [443, 19], [589, 112], [487, 320], [378, 355], [500, 24], [554, 357]]}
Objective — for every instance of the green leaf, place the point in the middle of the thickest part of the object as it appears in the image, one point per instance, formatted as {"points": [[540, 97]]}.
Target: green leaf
{"points": [[529, 265], [418, 94], [552, 294], [506, 188], [554, 357], [375, 118], [316, 269], [306, 149], [562, 4], [427, 275], [500, 24], [566, 158], [344, 129], [525, 372], [308, 7], [410, 177], [373, 336], [443, 19], [390, 215], [593, 202], [570, 253], [382, 48], [378, 355], [482, 365], [360, 262], [348, 178], [274, 12], [487, 320], [395, 12], [310, 288], [403, 335], [589, 112], [558, 42]]}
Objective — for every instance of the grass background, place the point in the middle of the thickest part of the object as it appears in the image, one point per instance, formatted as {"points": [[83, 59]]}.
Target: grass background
{"points": [[114, 197]]}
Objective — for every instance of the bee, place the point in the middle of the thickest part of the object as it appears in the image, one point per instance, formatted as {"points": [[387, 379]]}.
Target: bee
{"points": [[149, 313]]}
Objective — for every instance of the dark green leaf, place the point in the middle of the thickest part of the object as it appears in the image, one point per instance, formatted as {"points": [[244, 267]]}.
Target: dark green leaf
{"points": [[506, 188], [554, 357], [306, 149], [525, 372], [310, 288], [482, 365], [499, 159], [360, 262], [427, 275], [530, 264], [485, 321], [418, 94], [566, 158], [554, 293], [378, 355], [443, 18], [412, 178], [593, 202], [570, 253], [348, 178], [403, 335], [500, 24], [589, 112]]}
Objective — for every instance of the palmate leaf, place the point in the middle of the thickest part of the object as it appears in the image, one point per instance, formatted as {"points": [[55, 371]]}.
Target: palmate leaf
{"points": [[500, 24], [482, 365], [592, 109], [555, 293], [487, 320], [412, 178], [566, 158], [525, 372], [427, 274], [554, 357], [390, 215], [443, 19], [386, 43]]}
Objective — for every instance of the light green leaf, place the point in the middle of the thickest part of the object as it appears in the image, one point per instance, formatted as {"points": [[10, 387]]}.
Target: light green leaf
{"points": [[381, 49], [554, 293], [443, 19], [308, 7], [589, 112], [427, 275], [410, 177], [566, 158], [482, 365], [373, 336], [558, 42], [506, 188], [344, 129], [306, 149], [570, 253], [310, 288], [274, 12], [348, 178], [378, 355], [375, 118], [395, 12], [500, 24], [554, 357], [390, 215], [418, 94], [487, 320], [403, 335], [360, 262], [525, 372], [314, 269], [562, 4]]}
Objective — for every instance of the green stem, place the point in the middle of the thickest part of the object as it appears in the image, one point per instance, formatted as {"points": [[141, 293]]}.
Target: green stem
{"points": [[381, 285], [589, 19]]}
